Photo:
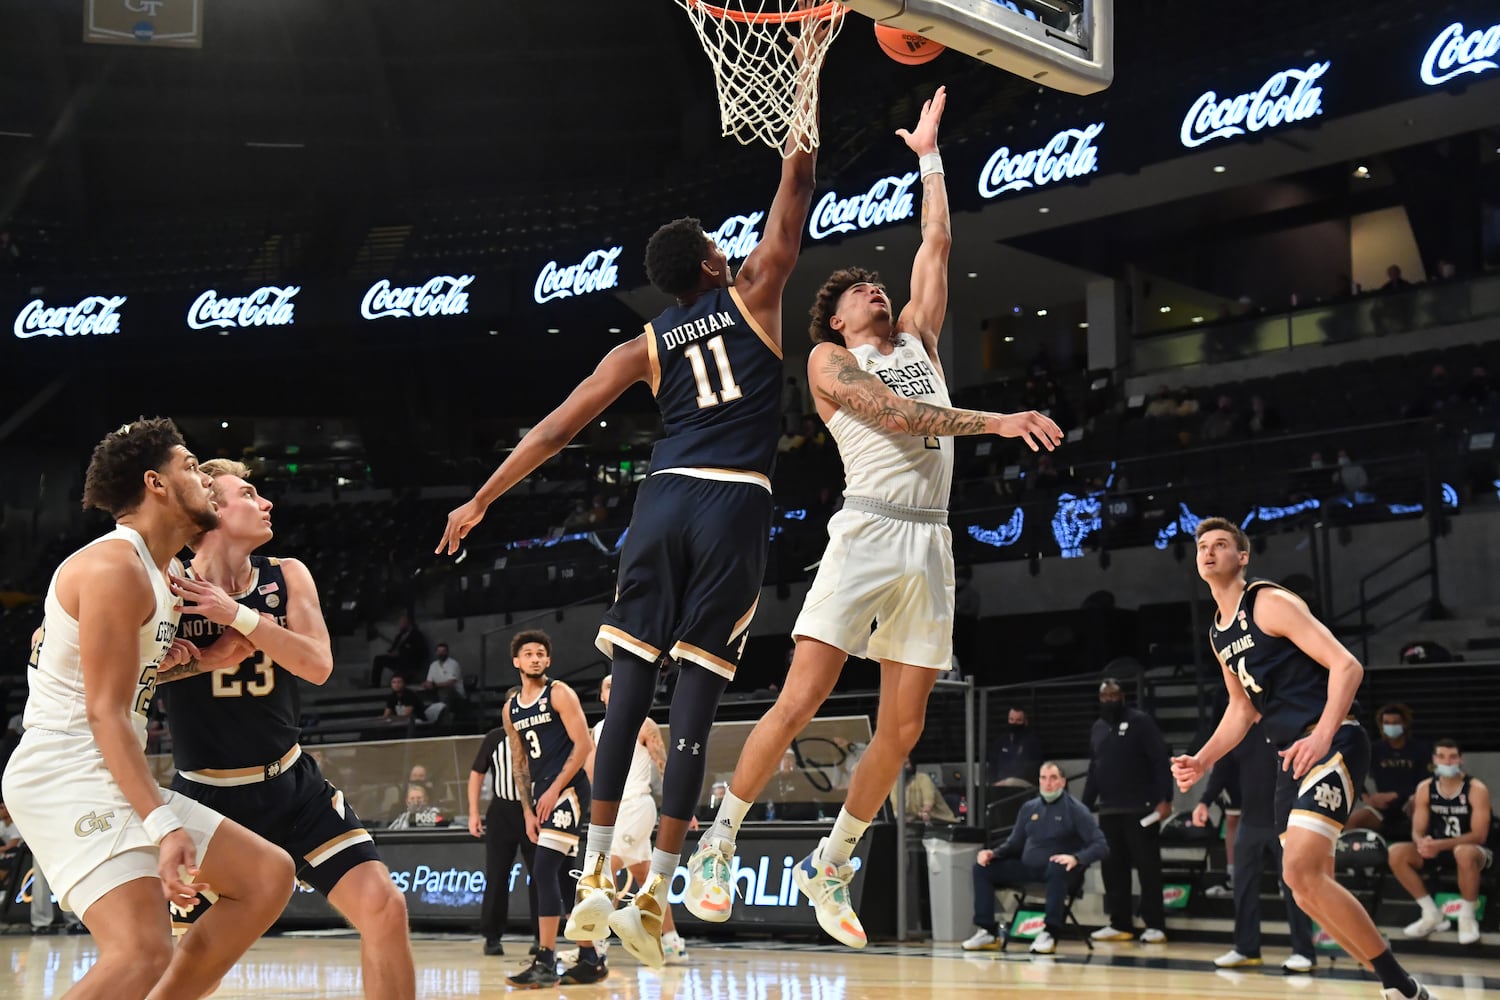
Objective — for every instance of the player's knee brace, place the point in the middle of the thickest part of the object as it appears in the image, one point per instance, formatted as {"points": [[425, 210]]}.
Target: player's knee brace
{"points": [[631, 691], [545, 877], [694, 704]]}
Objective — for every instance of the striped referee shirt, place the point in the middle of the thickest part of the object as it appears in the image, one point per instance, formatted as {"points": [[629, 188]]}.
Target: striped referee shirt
{"points": [[494, 758]]}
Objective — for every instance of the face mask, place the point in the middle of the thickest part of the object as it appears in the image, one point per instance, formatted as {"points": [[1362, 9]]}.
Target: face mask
{"points": [[1111, 711], [1018, 727], [1052, 796], [1447, 770], [1392, 732]]}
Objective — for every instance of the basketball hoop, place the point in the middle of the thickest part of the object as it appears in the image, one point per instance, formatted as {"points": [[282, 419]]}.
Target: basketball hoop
{"points": [[766, 56]]}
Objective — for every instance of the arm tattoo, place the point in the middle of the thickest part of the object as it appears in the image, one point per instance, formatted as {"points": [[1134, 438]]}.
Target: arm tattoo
{"points": [[522, 768], [868, 400], [181, 670], [932, 187]]}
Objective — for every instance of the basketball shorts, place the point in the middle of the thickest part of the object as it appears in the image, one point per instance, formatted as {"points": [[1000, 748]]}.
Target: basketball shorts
{"points": [[1322, 799], [691, 572], [894, 573], [299, 811], [633, 827], [79, 826], [1446, 862], [570, 815]]}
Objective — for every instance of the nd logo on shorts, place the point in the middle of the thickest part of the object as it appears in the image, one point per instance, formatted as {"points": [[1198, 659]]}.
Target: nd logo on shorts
{"points": [[91, 822]]}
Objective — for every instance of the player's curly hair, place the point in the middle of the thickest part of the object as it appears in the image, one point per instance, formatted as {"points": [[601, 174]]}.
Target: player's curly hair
{"points": [[115, 480], [529, 635], [673, 256], [827, 302]]}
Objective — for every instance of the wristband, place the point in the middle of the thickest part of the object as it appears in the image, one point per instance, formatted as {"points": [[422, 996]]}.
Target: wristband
{"points": [[930, 163], [245, 620], [161, 822]]}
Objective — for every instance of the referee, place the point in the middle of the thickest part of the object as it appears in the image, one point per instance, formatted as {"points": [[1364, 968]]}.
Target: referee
{"points": [[505, 823]]}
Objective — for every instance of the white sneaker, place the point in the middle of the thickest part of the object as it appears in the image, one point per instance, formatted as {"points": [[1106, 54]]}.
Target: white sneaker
{"points": [[828, 887], [1043, 944], [710, 893], [1232, 959], [1219, 892], [1107, 933], [1422, 994], [592, 906], [673, 947], [1298, 964], [1429, 923], [1468, 929], [1153, 935], [981, 940], [638, 923]]}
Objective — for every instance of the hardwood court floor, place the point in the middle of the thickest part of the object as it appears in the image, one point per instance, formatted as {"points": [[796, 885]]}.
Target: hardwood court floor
{"points": [[296, 966]]}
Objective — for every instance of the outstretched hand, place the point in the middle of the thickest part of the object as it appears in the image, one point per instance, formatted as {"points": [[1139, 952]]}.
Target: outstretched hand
{"points": [[1036, 429], [461, 521], [923, 139]]}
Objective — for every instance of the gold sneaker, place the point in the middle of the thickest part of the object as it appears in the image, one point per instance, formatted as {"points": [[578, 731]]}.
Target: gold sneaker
{"points": [[638, 923], [593, 904]]}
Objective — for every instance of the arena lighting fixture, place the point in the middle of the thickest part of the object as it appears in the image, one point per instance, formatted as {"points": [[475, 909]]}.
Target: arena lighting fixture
{"points": [[973, 274], [614, 329], [1044, 210], [1165, 309], [1010, 340], [224, 425], [553, 329], [1362, 172], [1083, 326], [1220, 168], [604, 423], [1041, 312], [1197, 319], [494, 333], [880, 246]]}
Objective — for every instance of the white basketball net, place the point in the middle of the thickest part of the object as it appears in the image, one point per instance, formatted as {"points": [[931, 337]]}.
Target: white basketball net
{"points": [[766, 56]]}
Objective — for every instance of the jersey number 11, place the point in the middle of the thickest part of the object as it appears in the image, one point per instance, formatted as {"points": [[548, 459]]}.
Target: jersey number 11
{"points": [[730, 390]]}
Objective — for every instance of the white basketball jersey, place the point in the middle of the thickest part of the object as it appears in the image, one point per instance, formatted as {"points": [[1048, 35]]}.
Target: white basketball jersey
{"points": [[897, 468], [56, 700], [638, 780]]}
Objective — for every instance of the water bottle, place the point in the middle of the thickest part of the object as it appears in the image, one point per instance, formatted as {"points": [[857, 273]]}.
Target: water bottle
{"points": [[770, 810], [963, 807]]}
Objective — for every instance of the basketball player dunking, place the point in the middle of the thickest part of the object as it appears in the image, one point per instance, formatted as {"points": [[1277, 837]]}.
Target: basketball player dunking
{"points": [[234, 713], [693, 563], [110, 840], [879, 387], [1283, 666]]}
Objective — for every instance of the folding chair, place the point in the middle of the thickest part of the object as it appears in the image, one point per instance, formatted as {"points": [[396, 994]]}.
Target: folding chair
{"points": [[1035, 893]]}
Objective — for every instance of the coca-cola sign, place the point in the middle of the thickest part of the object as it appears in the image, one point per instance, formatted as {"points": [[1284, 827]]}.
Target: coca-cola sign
{"points": [[738, 235], [268, 306], [95, 316], [1068, 154], [1455, 52], [595, 273], [442, 295], [1289, 96], [888, 200]]}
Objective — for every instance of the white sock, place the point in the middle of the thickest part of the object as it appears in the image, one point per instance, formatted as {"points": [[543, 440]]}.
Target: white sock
{"points": [[731, 814], [843, 838], [1428, 906], [1466, 908], [664, 863], [1229, 872], [601, 839]]}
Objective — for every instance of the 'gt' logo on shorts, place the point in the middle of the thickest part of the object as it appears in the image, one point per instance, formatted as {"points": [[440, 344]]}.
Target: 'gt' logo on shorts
{"points": [[92, 822], [1329, 797]]}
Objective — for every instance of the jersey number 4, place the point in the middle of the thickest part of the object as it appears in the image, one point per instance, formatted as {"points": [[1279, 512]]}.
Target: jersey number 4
{"points": [[264, 683], [1244, 675], [729, 388]]}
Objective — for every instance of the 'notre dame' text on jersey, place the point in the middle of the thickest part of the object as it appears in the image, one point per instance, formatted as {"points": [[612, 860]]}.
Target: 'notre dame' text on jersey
{"points": [[241, 716], [544, 736], [1288, 687], [1450, 816], [717, 377]]}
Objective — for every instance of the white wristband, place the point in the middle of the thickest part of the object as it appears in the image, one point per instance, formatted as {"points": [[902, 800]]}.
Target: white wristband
{"points": [[930, 163], [245, 620], [161, 822]]}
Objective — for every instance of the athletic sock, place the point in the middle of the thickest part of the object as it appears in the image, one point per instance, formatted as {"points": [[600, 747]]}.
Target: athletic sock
{"points": [[843, 838], [601, 839], [664, 863], [1392, 976], [731, 814], [586, 953], [1429, 908]]}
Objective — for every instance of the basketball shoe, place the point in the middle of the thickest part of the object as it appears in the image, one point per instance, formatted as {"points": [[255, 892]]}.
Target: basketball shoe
{"points": [[593, 905], [710, 893], [638, 923], [828, 887]]}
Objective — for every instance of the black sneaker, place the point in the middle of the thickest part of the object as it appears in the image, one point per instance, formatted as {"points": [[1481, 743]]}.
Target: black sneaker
{"points": [[586, 972], [492, 946], [535, 976]]}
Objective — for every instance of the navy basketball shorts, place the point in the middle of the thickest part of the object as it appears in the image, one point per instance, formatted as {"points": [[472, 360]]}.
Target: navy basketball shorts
{"points": [[299, 811], [1322, 799], [691, 572], [561, 829]]}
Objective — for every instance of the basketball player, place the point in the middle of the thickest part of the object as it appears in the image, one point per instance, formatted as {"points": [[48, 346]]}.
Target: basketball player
{"points": [[694, 560], [503, 827], [637, 818], [878, 385], [78, 785], [234, 723], [549, 743], [1450, 822], [1283, 666]]}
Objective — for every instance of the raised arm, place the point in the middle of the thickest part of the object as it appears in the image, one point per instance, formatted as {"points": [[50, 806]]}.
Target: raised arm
{"points": [[621, 368], [836, 377], [923, 315]]}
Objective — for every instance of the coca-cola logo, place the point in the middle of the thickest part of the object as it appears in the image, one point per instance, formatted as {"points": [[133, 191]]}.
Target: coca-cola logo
{"points": [[1070, 153], [738, 235], [1454, 52], [595, 273], [888, 200], [1210, 118], [268, 306], [442, 295], [95, 316]]}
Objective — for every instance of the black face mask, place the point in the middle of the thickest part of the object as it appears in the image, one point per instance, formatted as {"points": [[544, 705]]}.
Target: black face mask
{"points": [[1017, 727], [1111, 711]]}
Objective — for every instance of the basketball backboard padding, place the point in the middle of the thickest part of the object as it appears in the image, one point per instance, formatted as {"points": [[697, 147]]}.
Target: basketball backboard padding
{"points": [[1078, 58]]}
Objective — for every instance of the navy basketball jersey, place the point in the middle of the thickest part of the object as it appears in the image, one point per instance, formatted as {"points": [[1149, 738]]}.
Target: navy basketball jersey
{"points": [[544, 736], [717, 378], [1288, 687], [241, 716], [1451, 817]]}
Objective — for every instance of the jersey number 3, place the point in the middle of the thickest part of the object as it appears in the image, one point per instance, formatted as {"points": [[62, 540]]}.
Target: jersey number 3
{"points": [[264, 683], [729, 390], [533, 744]]}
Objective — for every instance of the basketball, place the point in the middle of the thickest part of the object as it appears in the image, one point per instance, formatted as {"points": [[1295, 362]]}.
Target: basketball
{"points": [[906, 46]]}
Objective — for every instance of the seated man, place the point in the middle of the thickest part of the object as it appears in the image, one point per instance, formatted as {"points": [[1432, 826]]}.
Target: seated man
{"points": [[924, 802], [404, 703], [445, 680], [1456, 808], [1054, 835], [1015, 753], [1398, 761]]}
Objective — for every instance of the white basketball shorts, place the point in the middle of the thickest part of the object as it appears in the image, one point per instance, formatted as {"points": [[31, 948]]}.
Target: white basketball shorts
{"points": [[633, 827], [893, 573]]}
